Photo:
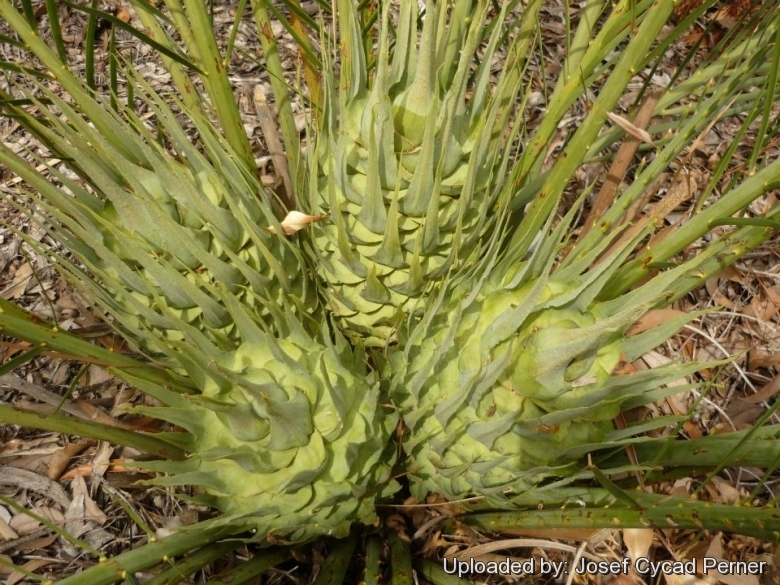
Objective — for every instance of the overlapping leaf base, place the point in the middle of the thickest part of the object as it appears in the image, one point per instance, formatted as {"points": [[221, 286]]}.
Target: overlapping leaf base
{"points": [[405, 163], [285, 422], [171, 241], [510, 381], [291, 433]]}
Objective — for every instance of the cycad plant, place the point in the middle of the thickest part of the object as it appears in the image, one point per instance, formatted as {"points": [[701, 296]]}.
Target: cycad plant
{"points": [[186, 261], [448, 281], [405, 163]]}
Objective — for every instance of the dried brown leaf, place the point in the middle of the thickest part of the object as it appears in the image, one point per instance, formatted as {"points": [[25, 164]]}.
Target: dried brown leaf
{"points": [[98, 375], [30, 566], [761, 307], [74, 515], [21, 280], [766, 392], [727, 493], [731, 273], [95, 414], [62, 458], [692, 429], [722, 300], [654, 318], [102, 459], [6, 532], [712, 284], [78, 488], [86, 470], [629, 128], [681, 488], [743, 415], [762, 358], [36, 544], [23, 524]]}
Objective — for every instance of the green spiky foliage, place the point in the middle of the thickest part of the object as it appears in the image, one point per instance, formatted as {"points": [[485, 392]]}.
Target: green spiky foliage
{"points": [[167, 238], [508, 378], [507, 382], [177, 243], [406, 163], [288, 433], [461, 290]]}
